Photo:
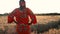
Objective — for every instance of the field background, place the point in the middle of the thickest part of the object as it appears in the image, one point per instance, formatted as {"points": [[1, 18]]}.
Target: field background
{"points": [[41, 19]]}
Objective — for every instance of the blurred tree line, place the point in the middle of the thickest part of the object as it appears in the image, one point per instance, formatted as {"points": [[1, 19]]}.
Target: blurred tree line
{"points": [[5, 14], [35, 14]]}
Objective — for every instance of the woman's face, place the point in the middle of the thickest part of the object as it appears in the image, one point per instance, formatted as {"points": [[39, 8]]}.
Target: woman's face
{"points": [[22, 3]]}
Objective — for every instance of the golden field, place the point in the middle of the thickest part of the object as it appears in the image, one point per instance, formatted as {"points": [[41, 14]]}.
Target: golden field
{"points": [[40, 20]]}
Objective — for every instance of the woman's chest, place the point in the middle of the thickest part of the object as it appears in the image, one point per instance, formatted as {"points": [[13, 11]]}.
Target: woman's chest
{"points": [[22, 14]]}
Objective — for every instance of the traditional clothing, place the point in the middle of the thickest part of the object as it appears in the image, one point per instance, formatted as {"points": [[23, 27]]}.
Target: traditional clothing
{"points": [[22, 19]]}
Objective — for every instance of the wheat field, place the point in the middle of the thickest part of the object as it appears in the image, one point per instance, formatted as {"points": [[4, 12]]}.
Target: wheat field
{"points": [[40, 20]]}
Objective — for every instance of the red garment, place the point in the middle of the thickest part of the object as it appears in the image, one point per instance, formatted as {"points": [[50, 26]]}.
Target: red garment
{"points": [[22, 18]]}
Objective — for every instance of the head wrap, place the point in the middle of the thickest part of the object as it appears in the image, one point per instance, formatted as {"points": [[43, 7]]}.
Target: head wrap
{"points": [[22, 1]]}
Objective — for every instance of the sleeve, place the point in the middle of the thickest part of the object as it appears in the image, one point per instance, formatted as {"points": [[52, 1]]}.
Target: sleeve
{"points": [[11, 17], [32, 16]]}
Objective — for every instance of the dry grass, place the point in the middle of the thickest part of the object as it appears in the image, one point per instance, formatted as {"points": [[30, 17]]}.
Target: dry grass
{"points": [[40, 20], [46, 19]]}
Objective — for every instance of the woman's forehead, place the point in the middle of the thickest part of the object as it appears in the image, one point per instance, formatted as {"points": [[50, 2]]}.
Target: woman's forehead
{"points": [[22, 2]]}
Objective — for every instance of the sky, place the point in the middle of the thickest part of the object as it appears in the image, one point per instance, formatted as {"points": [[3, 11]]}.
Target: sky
{"points": [[37, 6]]}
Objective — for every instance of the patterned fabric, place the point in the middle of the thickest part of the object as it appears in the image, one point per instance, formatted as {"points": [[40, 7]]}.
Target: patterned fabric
{"points": [[22, 27], [22, 17]]}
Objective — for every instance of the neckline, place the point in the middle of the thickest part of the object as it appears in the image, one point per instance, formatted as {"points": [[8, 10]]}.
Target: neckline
{"points": [[22, 11]]}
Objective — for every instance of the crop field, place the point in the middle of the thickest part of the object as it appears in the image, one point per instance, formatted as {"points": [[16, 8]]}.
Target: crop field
{"points": [[40, 20]]}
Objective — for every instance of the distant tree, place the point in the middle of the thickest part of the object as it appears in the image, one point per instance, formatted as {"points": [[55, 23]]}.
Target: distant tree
{"points": [[5, 14]]}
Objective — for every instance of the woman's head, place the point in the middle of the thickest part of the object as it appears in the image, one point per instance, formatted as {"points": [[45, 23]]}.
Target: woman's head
{"points": [[22, 3]]}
